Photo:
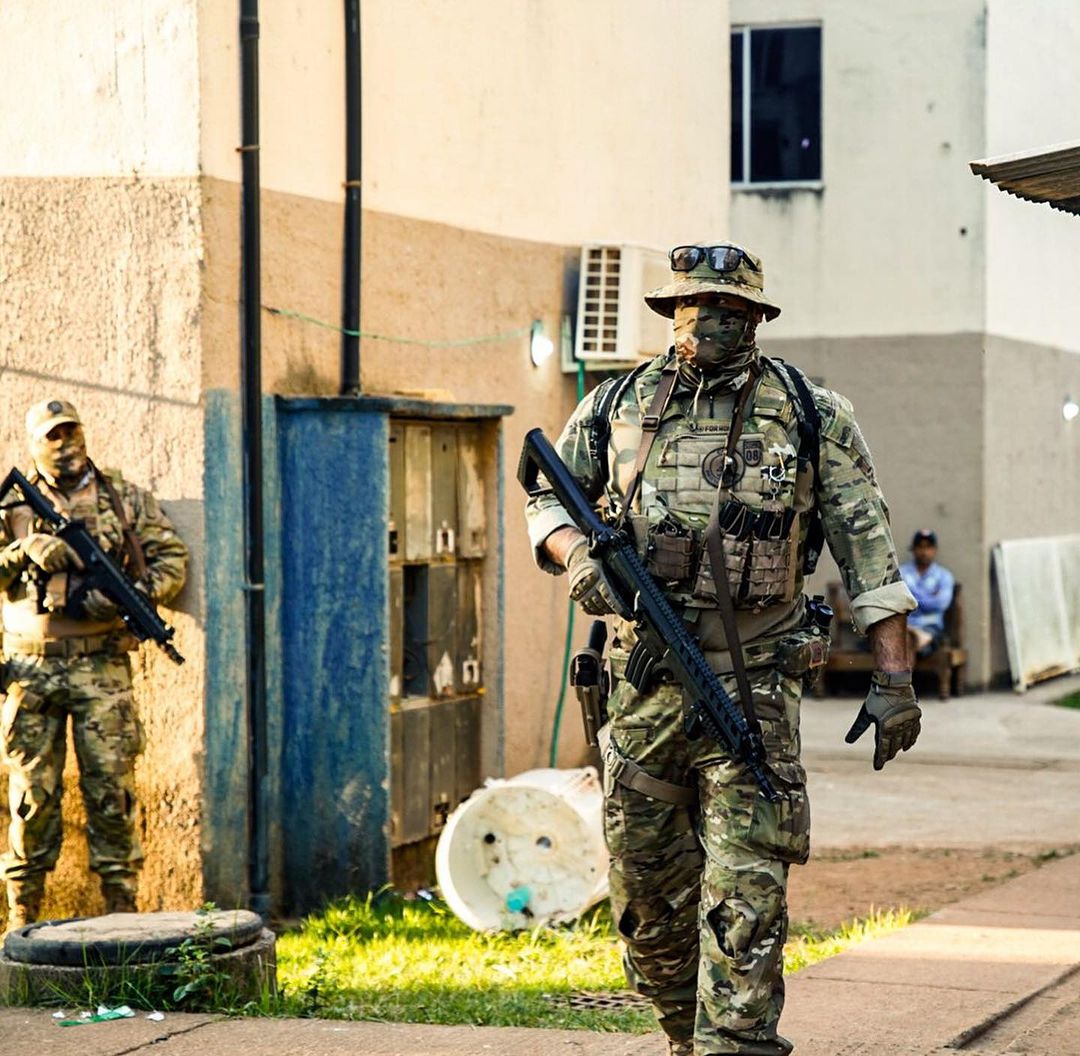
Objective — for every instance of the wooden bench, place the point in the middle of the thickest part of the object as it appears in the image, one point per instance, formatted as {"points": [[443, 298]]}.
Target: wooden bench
{"points": [[948, 661]]}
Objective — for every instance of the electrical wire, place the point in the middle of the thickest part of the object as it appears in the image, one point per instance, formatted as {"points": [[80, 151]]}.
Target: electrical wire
{"points": [[462, 342]]}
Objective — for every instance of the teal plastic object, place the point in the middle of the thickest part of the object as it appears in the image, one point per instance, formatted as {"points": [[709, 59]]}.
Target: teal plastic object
{"points": [[517, 899]]}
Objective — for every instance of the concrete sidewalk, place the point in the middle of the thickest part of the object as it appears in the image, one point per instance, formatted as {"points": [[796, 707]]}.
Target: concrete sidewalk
{"points": [[995, 974]]}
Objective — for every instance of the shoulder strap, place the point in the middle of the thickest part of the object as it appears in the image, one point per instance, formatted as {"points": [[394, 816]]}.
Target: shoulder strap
{"points": [[608, 395], [131, 540], [714, 545], [650, 426], [809, 418]]}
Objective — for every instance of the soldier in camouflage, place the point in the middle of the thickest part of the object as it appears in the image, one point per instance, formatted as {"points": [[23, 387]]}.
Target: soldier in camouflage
{"points": [[699, 858], [58, 665]]}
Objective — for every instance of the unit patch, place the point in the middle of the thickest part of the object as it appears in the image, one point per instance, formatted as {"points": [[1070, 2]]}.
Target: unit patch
{"points": [[752, 452], [712, 468]]}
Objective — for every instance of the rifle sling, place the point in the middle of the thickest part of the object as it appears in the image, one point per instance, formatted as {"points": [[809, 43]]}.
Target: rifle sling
{"points": [[650, 427], [714, 544], [131, 540]]}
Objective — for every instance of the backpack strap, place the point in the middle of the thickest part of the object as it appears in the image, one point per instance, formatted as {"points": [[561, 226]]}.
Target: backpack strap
{"points": [[608, 396], [809, 421]]}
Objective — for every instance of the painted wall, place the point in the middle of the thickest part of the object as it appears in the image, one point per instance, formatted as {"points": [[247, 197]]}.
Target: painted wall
{"points": [[543, 119], [1032, 453], [892, 242], [928, 455], [1032, 250], [101, 305], [104, 88]]}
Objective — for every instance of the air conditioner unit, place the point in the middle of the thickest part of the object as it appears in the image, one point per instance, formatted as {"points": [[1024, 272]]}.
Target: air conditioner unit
{"points": [[614, 326]]}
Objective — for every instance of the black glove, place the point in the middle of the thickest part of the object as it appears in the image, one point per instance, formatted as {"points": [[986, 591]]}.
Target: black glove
{"points": [[893, 708]]}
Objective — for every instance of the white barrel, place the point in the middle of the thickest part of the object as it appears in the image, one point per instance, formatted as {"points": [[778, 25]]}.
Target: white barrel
{"points": [[525, 851]]}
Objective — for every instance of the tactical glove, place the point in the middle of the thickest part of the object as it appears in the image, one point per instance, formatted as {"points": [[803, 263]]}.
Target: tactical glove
{"points": [[893, 708], [47, 551], [96, 606], [588, 583]]}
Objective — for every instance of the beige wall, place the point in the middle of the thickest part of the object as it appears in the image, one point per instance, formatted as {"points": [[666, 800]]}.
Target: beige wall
{"points": [[99, 87], [484, 286], [1032, 453], [892, 243], [1032, 250], [101, 305], [551, 120]]}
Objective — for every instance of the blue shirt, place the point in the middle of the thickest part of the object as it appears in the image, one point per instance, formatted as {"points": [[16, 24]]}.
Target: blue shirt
{"points": [[933, 590]]}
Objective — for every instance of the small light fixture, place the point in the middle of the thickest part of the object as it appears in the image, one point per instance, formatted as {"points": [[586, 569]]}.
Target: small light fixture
{"points": [[1070, 409], [541, 346]]}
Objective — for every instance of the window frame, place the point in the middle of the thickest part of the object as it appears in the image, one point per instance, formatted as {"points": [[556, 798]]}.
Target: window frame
{"points": [[746, 184]]}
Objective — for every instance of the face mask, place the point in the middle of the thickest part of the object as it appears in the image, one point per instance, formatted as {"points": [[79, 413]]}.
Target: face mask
{"points": [[63, 459], [717, 341]]}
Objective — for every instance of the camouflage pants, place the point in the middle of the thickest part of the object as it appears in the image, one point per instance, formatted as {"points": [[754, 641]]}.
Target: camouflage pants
{"points": [[699, 894], [95, 691]]}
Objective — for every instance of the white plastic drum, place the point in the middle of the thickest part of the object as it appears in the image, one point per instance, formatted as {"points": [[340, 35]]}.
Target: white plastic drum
{"points": [[525, 851]]}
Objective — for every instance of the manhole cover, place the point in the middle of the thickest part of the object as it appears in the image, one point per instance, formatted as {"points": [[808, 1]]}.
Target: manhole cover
{"points": [[600, 1000], [128, 938]]}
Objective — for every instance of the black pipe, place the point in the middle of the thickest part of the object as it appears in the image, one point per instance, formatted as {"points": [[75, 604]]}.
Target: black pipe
{"points": [[251, 439], [350, 293]]}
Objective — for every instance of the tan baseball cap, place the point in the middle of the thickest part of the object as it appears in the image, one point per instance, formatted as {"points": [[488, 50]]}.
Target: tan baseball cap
{"points": [[47, 415]]}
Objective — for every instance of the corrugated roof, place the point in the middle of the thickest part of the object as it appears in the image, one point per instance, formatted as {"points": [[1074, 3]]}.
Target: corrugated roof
{"points": [[1051, 175]]}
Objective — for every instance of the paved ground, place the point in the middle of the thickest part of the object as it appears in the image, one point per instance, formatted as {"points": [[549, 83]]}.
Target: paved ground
{"points": [[995, 974], [992, 769]]}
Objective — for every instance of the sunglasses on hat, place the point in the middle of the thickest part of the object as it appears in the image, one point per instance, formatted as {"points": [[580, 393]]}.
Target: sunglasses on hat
{"points": [[721, 259]]}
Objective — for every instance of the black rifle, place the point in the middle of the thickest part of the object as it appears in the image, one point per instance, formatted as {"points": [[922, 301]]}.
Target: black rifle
{"points": [[99, 571], [664, 644]]}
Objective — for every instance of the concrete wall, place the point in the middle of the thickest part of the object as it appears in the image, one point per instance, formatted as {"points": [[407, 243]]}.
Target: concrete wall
{"points": [[101, 305], [100, 88], [1032, 250], [892, 242], [929, 458], [551, 120], [1032, 453], [102, 240]]}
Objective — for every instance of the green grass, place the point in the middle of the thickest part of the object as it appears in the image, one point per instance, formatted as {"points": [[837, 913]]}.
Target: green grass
{"points": [[1072, 700], [384, 958]]}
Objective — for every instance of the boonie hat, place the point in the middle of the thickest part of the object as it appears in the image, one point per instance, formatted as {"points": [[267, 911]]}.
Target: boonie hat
{"points": [[924, 535], [49, 413], [746, 280]]}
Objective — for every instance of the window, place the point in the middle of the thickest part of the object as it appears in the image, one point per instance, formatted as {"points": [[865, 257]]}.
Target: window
{"points": [[776, 105]]}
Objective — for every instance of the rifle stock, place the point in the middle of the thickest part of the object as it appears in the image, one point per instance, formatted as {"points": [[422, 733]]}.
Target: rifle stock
{"points": [[664, 644]]}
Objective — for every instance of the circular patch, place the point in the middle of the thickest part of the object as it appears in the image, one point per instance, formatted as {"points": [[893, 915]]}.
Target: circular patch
{"points": [[712, 467], [55, 407]]}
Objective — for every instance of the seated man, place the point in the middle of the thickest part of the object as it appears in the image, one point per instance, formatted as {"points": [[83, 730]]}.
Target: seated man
{"points": [[932, 586]]}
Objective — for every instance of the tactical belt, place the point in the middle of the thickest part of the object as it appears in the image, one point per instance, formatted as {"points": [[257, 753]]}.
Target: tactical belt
{"points": [[630, 775], [65, 647], [761, 653]]}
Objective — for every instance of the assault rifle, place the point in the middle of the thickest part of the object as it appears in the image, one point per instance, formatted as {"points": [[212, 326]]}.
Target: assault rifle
{"points": [[664, 644], [99, 571]]}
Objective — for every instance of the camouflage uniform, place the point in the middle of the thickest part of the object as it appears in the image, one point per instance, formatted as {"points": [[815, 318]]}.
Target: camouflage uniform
{"points": [[58, 666], [698, 892]]}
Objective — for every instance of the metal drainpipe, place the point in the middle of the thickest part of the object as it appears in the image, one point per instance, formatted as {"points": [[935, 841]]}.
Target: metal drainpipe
{"points": [[251, 429], [350, 294]]}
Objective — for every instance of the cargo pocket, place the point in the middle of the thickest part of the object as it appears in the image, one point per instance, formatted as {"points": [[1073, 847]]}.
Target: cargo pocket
{"points": [[737, 815]]}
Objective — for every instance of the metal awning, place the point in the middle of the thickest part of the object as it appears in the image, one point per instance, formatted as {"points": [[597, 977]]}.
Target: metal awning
{"points": [[1050, 175]]}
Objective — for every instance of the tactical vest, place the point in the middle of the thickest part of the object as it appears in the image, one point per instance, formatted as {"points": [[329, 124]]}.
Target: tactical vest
{"points": [[39, 594], [769, 510]]}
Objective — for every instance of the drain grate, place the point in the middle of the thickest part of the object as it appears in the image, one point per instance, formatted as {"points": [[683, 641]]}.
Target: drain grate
{"points": [[600, 1000]]}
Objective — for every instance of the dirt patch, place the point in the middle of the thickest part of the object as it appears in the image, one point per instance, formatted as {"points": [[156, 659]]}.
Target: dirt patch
{"points": [[840, 885]]}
